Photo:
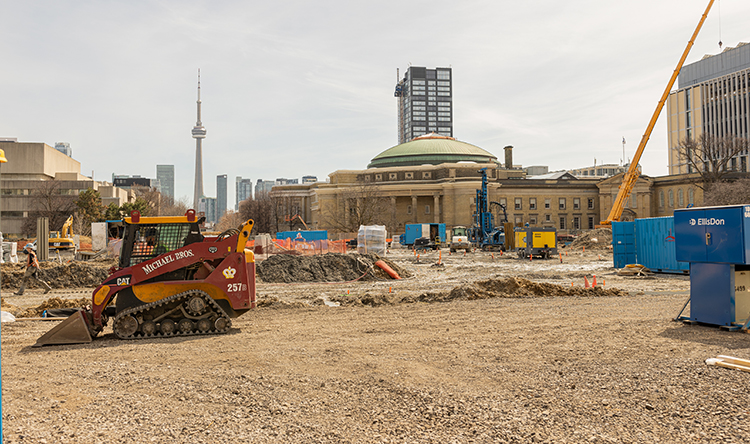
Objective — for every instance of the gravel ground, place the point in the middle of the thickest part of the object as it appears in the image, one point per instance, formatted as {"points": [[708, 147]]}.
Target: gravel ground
{"points": [[558, 369]]}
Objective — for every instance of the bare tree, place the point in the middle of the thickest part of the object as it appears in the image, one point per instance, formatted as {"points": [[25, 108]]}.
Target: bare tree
{"points": [[264, 211], [50, 201], [174, 207], [230, 219], [712, 156], [728, 193], [152, 197], [360, 204]]}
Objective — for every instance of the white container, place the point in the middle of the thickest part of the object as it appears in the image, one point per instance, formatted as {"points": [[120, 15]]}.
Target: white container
{"points": [[371, 239]]}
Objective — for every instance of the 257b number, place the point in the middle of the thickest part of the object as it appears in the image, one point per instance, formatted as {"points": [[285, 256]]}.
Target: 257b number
{"points": [[234, 287]]}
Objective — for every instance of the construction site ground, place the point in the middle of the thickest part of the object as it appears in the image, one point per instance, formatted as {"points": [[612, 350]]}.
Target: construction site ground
{"points": [[481, 349]]}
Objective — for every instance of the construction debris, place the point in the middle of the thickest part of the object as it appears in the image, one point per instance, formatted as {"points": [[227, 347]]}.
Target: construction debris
{"points": [[597, 239], [730, 362], [634, 270]]}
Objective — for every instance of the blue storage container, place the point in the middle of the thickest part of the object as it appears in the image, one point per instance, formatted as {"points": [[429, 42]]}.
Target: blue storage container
{"points": [[649, 242], [306, 236], [655, 245], [623, 243]]}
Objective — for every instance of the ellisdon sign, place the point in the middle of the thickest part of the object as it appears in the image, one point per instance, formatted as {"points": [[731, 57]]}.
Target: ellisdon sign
{"points": [[149, 268], [707, 221]]}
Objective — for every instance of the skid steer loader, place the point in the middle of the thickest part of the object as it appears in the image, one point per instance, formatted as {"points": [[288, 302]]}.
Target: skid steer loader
{"points": [[170, 281]]}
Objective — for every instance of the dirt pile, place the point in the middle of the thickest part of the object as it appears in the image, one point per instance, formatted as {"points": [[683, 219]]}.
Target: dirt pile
{"points": [[73, 274], [486, 289], [50, 303], [330, 267], [598, 239]]}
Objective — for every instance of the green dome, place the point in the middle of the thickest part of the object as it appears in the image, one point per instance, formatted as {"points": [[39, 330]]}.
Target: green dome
{"points": [[431, 149]]}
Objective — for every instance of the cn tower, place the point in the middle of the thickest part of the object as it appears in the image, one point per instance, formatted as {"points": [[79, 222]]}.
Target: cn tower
{"points": [[199, 133]]}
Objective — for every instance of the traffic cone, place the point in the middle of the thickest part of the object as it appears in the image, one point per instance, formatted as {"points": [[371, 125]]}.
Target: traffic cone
{"points": [[440, 256], [571, 284], [584, 248], [390, 289], [493, 256], [585, 282], [501, 252], [604, 282], [530, 256], [561, 258], [464, 253], [594, 283]]}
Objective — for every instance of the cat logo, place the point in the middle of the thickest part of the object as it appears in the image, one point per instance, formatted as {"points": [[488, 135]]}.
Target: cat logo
{"points": [[123, 281], [229, 272]]}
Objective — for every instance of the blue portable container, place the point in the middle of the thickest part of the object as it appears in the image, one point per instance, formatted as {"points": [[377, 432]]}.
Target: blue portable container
{"points": [[655, 245], [305, 236], [623, 243], [649, 242], [415, 231]]}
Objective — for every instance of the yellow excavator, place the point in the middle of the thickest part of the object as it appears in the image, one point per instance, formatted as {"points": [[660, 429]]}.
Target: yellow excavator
{"points": [[63, 239], [631, 176]]}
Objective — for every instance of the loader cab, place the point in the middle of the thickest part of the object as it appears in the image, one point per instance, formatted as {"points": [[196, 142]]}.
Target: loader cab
{"points": [[145, 241]]}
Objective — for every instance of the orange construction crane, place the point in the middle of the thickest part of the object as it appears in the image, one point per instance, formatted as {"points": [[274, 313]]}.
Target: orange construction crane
{"points": [[631, 176]]}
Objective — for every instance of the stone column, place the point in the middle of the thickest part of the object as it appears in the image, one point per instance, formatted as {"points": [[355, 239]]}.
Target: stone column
{"points": [[394, 221], [436, 198], [414, 208]]}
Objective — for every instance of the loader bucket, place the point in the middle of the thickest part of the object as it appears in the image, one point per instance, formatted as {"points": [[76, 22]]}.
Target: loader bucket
{"points": [[73, 330]]}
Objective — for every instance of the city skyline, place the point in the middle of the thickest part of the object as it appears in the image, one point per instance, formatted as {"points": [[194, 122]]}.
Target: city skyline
{"points": [[283, 98]]}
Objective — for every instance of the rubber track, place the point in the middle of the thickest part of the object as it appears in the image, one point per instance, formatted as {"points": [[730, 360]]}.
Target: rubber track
{"points": [[135, 311]]}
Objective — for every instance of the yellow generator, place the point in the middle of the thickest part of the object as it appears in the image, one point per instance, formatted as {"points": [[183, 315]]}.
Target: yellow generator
{"points": [[536, 241]]}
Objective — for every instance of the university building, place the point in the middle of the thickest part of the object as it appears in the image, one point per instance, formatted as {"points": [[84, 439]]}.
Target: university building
{"points": [[434, 178], [33, 167], [713, 98]]}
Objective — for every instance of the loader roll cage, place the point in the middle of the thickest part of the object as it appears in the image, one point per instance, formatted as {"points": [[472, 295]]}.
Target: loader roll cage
{"points": [[145, 241]]}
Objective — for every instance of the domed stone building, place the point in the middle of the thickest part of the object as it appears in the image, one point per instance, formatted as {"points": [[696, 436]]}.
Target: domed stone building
{"points": [[434, 179]]}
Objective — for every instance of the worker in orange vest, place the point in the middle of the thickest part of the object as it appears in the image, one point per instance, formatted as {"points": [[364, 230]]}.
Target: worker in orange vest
{"points": [[32, 270]]}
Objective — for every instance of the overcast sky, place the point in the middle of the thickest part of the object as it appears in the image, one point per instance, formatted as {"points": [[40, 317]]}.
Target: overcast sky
{"points": [[299, 88]]}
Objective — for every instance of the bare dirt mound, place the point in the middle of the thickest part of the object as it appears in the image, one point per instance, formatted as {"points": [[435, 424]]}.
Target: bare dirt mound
{"points": [[50, 303], [598, 239], [330, 267], [486, 289], [66, 275]]}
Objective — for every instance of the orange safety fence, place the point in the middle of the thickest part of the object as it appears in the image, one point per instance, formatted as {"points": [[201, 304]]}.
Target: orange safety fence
{"points": [[264, 249]]}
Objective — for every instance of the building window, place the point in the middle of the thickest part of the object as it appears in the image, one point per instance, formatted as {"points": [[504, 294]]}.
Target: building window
{"points": [[576, 203], [562, 203], [562, 222], [591, 222], [504, 202], [661, 198], [409, 175], [532, 203], [408, 209], [671, 198], [12, 213], [392, 176], [378, 177], [427, 175], [680, 198], [576, 223], [518, 205], [591, 204], [519, 221], [691, 197], [547, 204], [548, 218], [367, 178], [443, 75], [532, 221], [426, 209]]}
